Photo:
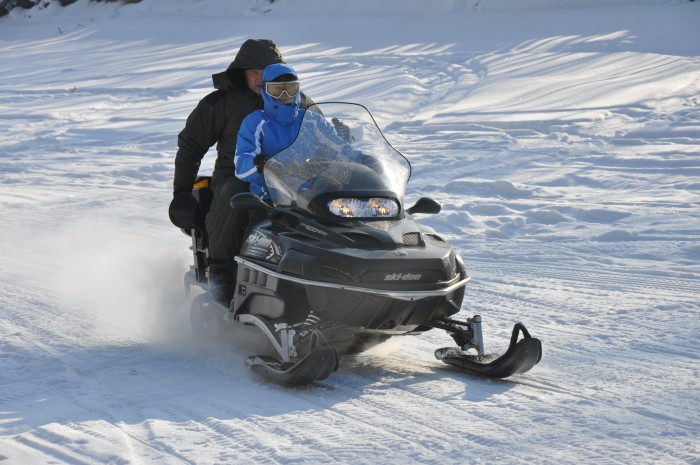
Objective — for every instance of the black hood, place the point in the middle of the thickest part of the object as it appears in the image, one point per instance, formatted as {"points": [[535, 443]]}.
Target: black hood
{"points": [[253, 54]]}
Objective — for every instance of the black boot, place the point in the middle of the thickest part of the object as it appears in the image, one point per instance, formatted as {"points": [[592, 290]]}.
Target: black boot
{"points": [[222, 280]]}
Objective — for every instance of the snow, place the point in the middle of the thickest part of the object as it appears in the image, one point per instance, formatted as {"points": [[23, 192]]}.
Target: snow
{"points": [[561, 136]]}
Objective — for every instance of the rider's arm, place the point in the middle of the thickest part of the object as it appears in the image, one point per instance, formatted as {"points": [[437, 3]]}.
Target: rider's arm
{"points": [[202, 130], [332, 140], [248, 146]]}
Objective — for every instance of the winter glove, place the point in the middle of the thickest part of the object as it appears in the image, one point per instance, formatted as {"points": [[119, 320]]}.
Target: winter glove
{"points": [[342, 130], [185, 212], [260, 161]]}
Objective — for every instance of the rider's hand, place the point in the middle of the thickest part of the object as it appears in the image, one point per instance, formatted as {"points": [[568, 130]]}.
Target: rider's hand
{"points": [[342, 129], [260, 161], [185, 211]]}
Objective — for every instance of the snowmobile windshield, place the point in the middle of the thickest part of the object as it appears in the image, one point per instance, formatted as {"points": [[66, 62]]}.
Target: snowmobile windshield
{"points": [[339, 166]]}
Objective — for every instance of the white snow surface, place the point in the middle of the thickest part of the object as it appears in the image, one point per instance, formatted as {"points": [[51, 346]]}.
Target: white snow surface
{"points": [[562, 138]]}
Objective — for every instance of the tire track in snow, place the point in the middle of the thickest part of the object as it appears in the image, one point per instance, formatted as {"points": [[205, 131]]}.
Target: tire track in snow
{"points": [[327, 427], [254, 438], [582, 277], [625, 350], [48, 447], [325, 430], [393, 402], [71, 438], [501, 430], [507, 404]]}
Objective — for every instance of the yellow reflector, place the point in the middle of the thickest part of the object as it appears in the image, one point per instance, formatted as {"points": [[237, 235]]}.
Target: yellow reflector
{"points": [[201, 184]]}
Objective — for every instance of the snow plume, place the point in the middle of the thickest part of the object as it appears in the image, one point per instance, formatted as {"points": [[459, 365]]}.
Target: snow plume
{"points": [[124, 282]]}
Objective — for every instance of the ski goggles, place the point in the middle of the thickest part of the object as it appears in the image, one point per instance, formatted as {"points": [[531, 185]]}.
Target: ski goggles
{"points": [[277, 89]]}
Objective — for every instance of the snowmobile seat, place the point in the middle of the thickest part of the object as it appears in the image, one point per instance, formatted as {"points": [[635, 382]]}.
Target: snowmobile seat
{"points": [[202, 193]]}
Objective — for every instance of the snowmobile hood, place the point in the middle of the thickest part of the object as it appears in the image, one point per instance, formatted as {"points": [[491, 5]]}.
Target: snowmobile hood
{"points": [[284, 114], [253, 54]]}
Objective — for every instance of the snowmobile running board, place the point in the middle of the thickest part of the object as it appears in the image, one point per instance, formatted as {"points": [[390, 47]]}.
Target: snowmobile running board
{"points": [[318, 364], [520, 357]]}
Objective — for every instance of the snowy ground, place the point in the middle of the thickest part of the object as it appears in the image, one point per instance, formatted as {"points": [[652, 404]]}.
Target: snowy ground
{"points": [[562, 140]]}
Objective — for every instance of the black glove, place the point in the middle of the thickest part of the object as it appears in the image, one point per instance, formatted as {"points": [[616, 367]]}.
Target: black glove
{"points": [[342, 130], [185, 212], [260, 161]]}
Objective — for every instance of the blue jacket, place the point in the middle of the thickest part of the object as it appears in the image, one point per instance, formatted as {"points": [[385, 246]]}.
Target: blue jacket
{"points": [[273, 129], [266, 132]]}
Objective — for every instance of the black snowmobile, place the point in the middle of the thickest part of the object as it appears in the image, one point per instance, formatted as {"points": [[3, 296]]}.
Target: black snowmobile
{"points": [[338, 265]]}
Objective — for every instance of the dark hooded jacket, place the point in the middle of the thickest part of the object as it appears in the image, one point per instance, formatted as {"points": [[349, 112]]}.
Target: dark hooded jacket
{"points": [[218, 116]]}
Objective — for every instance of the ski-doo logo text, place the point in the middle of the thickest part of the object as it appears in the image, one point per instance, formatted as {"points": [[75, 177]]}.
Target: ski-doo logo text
{"points": [[256, 239], [261, 244], [403, 277]]}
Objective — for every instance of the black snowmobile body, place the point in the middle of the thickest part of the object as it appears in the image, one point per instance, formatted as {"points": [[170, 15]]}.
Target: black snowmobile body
{"points": [[338, 265]]}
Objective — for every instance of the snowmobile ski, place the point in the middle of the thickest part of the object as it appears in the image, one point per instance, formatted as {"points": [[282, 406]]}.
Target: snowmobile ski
{"points": [[520, 357], [317, 365]]}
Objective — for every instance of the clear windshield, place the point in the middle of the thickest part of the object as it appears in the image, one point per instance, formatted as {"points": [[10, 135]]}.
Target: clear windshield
{"points": [[339, 150]]}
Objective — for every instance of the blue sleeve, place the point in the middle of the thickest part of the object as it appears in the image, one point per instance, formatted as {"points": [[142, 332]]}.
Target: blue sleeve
{"points": [[328, 130], [248, 146], [343, 147]]}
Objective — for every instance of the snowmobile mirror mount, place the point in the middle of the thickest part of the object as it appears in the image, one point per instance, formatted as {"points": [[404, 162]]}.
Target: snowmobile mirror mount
{"points": [[425, 205]]}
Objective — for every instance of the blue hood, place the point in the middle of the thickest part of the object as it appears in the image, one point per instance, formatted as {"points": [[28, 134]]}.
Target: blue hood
{"points": [[284, 114]]}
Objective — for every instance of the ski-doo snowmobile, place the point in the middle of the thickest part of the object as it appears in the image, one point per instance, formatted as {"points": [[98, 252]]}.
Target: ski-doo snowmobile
{"points": [[338, 264]]}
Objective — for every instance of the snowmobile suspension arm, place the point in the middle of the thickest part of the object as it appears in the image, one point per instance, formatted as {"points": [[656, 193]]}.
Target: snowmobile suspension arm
{"points": [[285, 337], [280, 335], [467, 334]]}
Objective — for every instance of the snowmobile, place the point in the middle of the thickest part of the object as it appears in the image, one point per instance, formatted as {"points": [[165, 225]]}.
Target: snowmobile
{"points": [[337, 264]]}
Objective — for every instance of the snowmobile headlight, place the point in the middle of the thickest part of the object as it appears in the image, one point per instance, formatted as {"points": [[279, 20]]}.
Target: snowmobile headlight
{"points": [[376, 207]]}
